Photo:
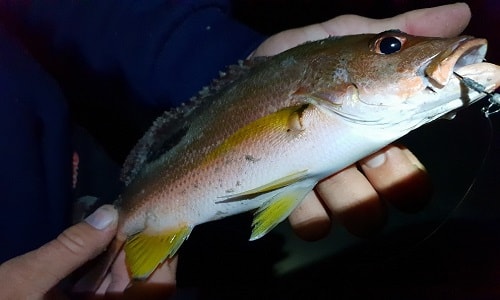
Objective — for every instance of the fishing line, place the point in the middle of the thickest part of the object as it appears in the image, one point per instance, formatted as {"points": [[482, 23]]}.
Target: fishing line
{"points": [[408, 251], [491, 108], [493, 98], [467, 193]]}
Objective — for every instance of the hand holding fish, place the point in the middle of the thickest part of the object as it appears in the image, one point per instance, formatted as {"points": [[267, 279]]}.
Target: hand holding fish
{"points": [[34, 274], [357, 205]]}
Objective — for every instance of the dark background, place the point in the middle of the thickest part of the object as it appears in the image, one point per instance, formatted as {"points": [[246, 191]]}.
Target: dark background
{"points": [[450, 250]]}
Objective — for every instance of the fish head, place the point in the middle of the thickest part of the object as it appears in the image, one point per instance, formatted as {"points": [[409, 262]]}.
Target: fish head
{"points": [[396, 80]]}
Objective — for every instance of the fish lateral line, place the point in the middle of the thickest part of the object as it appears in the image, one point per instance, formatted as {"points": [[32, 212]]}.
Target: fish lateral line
{"points": [[493, 98]]}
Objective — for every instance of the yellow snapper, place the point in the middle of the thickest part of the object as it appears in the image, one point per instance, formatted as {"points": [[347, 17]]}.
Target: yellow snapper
{"points": [[268, 130]]}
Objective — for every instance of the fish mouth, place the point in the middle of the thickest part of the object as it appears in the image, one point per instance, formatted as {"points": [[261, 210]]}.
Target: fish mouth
{"points": [[467, 51], [448, 93]]}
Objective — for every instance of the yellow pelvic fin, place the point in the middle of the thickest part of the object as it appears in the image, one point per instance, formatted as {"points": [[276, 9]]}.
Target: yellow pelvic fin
{"points": [[146, 251], [271, 186], [278, 208]]}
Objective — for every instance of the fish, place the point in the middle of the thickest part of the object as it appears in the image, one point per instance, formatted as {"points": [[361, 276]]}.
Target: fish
{"points": [[269, 129]]}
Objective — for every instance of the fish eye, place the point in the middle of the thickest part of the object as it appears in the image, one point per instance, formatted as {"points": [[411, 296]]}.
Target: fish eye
{"points": [[389, 45]]}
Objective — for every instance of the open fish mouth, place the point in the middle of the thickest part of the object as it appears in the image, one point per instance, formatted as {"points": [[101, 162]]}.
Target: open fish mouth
{"points": [[465, 59], [467, 51]]}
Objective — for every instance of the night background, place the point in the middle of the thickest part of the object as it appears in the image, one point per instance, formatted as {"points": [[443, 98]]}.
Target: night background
{"points": [[449, 250]]}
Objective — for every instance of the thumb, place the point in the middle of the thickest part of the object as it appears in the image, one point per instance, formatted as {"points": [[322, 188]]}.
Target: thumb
{"points": [[44, 267], [446, 21]]}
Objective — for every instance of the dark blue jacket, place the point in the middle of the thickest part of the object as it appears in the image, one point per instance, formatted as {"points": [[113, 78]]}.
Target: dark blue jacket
{"points": [[101, 63]]}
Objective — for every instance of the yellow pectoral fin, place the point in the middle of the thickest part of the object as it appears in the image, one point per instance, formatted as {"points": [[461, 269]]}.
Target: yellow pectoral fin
{"points": [[145, 251], [278, 208], [271, 186], [284, 120]]}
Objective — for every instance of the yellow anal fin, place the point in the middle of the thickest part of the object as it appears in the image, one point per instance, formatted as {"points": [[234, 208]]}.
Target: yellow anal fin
{"points": [[145, 251], [278, 209], [271, 186]]}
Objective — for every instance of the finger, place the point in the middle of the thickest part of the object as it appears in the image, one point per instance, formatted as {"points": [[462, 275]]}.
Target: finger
{"points": [[353, 201], [119, 277], [43, 268], [446, 21], [161, 284], [76, 245], [165, 273], [103, 287], [309, 220], [398, 177]]}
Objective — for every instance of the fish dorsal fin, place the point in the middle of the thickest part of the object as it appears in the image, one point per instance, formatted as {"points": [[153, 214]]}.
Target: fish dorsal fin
{"points": [[233, 73], [145, 251], [278, 208], [169, 129], [166, 131]]}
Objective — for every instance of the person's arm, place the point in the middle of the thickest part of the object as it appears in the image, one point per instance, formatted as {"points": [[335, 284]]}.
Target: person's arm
{"points": [[164, 51], [35, 146], [118, 62]]}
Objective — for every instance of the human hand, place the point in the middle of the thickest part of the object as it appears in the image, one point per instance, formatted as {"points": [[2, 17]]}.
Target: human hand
{"points": [[36, 274], [353, 196]]}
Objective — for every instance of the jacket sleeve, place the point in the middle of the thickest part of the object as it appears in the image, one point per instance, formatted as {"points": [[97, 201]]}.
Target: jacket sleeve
{"points": [[162, 51], [35, 181]]}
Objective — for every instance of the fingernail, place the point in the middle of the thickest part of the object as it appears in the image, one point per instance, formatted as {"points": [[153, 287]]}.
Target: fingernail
{"points": [[376, 160], [102, 217]]}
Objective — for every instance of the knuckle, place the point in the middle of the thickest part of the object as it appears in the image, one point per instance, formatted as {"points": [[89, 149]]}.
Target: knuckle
{"points": [[72, 241]]}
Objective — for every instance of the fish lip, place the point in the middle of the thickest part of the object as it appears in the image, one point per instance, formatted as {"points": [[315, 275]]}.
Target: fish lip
{"points": [[466, 51]]}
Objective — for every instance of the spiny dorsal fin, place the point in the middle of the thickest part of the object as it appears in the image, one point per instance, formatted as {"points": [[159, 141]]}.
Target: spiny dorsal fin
{"points": [[169, 129], [235, 72], [164, 133]]}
